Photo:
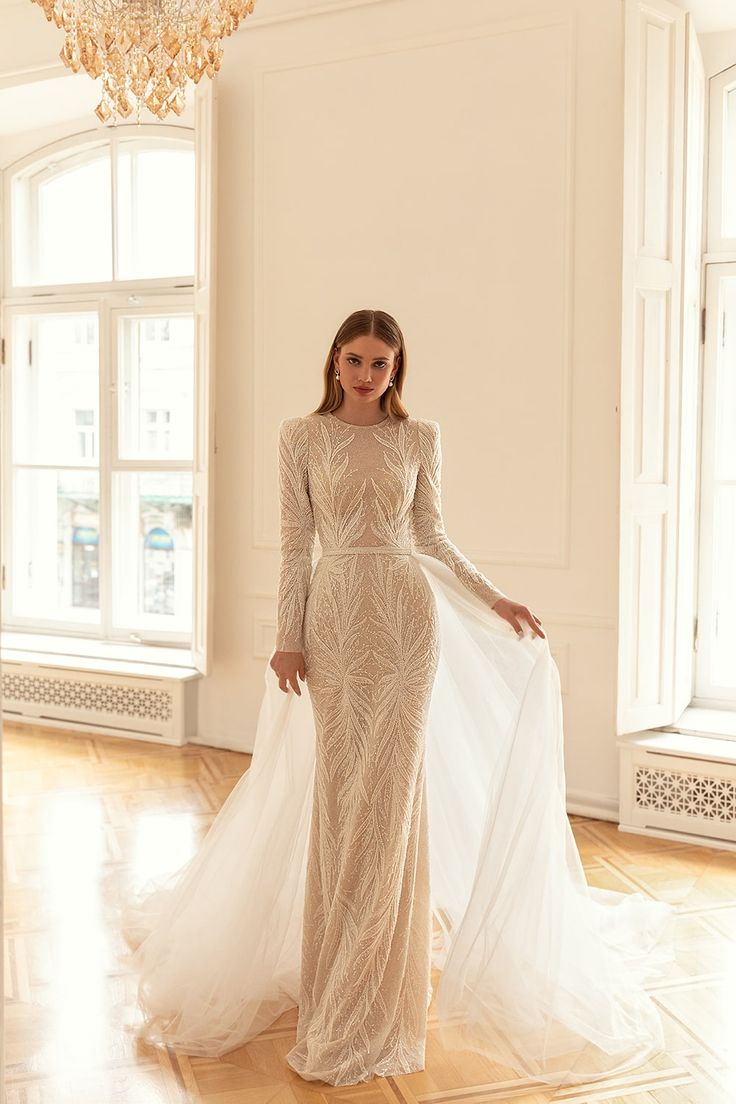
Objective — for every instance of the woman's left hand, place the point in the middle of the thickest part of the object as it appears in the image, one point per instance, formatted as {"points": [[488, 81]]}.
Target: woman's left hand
{"points": [[514, 612]]}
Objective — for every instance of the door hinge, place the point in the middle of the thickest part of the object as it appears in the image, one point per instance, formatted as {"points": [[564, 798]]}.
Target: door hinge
{"points": [[702, 326], [3, 577], [2, 350], [695, 635]]}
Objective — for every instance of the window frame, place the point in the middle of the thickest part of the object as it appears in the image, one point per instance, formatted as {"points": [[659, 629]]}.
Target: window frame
{"points": [[109, 307], [84, 142], [719, 263], [717, 243], [192, 293]]}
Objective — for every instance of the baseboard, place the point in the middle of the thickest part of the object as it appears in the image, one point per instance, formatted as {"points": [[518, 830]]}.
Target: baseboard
{"points": [[221, 743], [594, 805]]}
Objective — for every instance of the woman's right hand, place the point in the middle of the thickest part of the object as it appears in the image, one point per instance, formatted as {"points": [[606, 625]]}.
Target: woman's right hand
{"points": [[287, 666]]}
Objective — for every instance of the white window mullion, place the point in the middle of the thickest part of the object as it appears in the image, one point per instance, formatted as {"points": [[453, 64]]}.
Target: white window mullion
{"points": [[108, 381]]}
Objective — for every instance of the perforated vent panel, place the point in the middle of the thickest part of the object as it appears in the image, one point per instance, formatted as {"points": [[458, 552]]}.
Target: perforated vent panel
{"points": [[685, 794], [78, 693]]}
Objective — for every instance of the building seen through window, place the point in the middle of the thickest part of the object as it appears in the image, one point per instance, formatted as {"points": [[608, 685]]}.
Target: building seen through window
{"points": [[102, 395]]}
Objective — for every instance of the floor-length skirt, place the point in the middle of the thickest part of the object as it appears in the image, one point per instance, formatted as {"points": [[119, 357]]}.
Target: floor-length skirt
{"points": [[371, 649], [541, 973]]}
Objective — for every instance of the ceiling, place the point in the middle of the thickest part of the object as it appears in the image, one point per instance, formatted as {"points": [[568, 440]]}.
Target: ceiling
{"points": [[46, 103], [710, 15], [34, 103]]}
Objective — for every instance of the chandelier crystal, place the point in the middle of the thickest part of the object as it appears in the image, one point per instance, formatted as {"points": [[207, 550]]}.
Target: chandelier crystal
{"points": [[144, 50]]}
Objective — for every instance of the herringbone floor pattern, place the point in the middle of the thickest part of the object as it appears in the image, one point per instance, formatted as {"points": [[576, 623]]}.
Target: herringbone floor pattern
{"points": [[86, 817]]}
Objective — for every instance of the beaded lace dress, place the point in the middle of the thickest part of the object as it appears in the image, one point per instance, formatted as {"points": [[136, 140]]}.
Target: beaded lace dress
{"points": [[367, 625], [404, 814]]}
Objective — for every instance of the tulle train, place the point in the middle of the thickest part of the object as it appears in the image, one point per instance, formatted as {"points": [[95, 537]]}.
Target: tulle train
{"points": [[541, 973]]}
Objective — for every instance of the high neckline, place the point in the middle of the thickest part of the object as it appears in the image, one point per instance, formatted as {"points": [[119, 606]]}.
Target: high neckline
{"points": [[353, 425]]}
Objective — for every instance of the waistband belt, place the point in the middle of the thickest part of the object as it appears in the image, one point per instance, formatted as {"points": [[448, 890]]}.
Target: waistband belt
{"points": [[391, 549]]}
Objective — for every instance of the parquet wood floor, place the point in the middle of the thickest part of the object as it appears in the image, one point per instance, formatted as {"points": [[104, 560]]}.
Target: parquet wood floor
{"points": [[86, 818]]}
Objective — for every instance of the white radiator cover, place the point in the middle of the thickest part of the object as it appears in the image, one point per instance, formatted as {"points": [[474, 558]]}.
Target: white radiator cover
{"points": [[156, 708], [674, 784]]}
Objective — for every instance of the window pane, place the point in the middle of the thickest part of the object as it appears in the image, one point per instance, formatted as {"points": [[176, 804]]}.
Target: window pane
{"points": [[724, 587], [725, 452], [724, 491], [152, 551], [156, 389], [155, 211], [55, 389], [55, 547], [62, 223], [729, 166]]}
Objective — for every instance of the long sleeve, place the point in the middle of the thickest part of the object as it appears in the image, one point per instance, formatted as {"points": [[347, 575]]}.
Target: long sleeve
{"points": [[428, 528], [297, 534]]}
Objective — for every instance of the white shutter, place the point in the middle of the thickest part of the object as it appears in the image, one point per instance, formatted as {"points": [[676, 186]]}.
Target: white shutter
{"points": [[205, 151], [654, 98]]}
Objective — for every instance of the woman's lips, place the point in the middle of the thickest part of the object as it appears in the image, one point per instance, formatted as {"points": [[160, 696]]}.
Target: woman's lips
{"points": [[364, 390]]}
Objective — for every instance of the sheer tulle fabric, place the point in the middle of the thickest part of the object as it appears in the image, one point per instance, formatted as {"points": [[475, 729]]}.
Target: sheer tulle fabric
{"points": [[541, 973]]}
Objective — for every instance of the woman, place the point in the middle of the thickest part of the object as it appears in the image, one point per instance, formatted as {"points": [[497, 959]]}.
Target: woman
{"points": [[364, 631], [411, 812]]}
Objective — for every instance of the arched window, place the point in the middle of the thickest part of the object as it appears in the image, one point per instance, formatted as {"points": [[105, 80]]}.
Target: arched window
{"points": [[104, 210], [102, 403]]}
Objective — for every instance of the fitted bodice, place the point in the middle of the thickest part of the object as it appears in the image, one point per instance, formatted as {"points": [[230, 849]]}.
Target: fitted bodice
{"points": [[362, 481], [359, 489]]}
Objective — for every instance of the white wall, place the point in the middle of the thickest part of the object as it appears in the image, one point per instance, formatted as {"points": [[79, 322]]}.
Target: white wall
{"points": [[719, 50], [459, 166]]}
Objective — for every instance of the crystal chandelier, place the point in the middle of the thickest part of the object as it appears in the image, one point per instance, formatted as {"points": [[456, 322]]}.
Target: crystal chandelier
{"points": [[144, 50]]}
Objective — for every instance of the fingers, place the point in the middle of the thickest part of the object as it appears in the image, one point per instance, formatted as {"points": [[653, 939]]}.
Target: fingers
{"points": [[285, 680], [531, 619], [300, 674]]}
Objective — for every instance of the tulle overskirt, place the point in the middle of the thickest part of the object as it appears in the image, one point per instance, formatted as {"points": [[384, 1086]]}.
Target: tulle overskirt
{"points": [[543, 974]]}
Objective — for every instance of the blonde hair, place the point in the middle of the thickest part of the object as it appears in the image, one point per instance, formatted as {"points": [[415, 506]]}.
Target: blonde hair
{"points": [[367, 323]]}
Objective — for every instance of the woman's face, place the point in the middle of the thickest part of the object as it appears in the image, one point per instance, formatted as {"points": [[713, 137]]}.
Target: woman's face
{"points": [[365, 362]]}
